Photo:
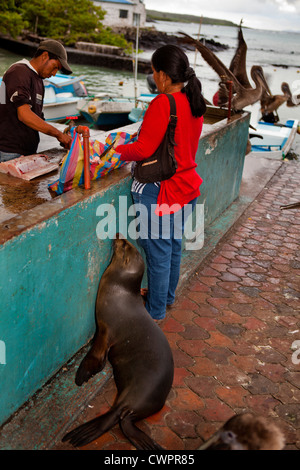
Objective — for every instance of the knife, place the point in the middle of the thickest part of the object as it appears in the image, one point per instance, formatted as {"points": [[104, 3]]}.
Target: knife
{"points": [[107, 149]]}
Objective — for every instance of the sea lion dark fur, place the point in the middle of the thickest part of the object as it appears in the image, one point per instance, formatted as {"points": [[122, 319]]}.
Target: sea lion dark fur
{"points": [[135, 346]]}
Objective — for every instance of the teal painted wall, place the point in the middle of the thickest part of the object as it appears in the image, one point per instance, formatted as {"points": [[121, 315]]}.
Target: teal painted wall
{"points": [[220, 161], [50, 273]]}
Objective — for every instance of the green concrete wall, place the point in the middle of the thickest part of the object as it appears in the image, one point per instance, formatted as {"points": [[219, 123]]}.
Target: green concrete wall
{"points": [[220, 159], [50, 271]]}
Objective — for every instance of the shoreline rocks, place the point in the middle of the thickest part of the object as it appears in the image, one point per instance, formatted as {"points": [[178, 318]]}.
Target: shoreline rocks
{"points": [[76, 56], [151, 39], [108, 56]]}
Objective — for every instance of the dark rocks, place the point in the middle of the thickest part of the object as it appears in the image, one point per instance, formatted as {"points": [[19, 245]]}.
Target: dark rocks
{"points": [[151, 39]]}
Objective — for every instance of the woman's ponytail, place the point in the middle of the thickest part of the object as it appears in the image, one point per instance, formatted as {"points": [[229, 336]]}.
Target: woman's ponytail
{"points": [[193, 91]]}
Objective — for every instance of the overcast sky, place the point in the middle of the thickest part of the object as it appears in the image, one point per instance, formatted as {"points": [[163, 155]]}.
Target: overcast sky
{"points": [[264, 14]]}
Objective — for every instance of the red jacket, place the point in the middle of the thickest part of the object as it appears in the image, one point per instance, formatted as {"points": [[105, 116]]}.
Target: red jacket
{"points": [[183, 187]]}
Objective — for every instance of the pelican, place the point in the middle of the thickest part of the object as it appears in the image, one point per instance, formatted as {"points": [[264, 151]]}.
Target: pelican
{"points": [[243, 96], [238, 63], [292, 100], [270, 103], [237, 67], [246, 432]]}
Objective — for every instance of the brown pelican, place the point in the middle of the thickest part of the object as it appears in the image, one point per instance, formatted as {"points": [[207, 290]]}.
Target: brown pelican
{"points": [[237, 67], [238, 63], [270, 103], [243, 96], [246, 432], [290, 102]]}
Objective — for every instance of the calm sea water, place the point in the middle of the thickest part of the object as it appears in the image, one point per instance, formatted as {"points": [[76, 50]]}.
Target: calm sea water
{"points": [[277, 52]]}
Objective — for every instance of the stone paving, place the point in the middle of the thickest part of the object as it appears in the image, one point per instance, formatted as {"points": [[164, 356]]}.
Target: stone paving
{"points": [[234, 331]]}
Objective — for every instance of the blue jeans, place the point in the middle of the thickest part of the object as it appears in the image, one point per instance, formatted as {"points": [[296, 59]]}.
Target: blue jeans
{"points": [[161, 239], [6, 156]]}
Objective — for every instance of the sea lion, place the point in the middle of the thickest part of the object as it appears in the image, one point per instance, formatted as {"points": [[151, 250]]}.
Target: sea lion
{"points": [[135, 346]]}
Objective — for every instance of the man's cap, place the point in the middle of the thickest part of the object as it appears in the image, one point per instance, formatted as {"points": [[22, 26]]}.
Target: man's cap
{"points": [[56, 48]]}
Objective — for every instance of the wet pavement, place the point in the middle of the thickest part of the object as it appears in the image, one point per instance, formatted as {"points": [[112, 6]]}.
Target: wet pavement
{"points": [[234, 331]]}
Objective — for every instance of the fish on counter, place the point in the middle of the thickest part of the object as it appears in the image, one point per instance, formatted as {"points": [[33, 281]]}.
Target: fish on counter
{"points": [[29, 167]]}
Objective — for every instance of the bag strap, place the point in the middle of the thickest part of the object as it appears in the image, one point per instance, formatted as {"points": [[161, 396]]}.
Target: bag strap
{"points": [[172, 104], [173, 118]]}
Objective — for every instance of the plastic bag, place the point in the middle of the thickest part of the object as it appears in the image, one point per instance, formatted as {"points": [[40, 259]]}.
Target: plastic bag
{"points": [[72, 168]]}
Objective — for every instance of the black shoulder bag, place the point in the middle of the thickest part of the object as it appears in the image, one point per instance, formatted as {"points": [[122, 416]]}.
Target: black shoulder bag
{"points": [[162, 164]]}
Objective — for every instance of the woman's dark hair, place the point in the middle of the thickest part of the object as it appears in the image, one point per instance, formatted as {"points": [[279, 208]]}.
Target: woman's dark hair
{"points": [[174, 62]]}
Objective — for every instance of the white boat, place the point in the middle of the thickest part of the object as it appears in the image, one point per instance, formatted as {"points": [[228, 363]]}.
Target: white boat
{"points": [[273, 141], [105, 110], [62, 93]]}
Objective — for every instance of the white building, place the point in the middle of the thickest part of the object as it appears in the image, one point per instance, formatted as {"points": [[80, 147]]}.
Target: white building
{"points": [[124, 13]]}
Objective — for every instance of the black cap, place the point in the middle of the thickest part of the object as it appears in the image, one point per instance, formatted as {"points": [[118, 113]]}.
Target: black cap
{"points": [[56, 48]]}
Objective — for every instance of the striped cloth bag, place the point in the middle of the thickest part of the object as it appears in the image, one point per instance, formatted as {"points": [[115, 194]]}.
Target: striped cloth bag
{"points": [[71, 172]]}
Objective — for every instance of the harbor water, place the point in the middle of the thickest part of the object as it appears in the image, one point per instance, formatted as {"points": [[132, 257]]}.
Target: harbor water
{"points": [[278, 52]]}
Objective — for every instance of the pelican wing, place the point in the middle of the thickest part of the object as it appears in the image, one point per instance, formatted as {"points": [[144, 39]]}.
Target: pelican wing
{"points": [[238, 63], [286, 88], [287, 92], [212, 60]]}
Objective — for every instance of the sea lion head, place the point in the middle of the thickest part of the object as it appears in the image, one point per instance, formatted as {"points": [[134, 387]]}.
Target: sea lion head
{"points": [[127, 263]]}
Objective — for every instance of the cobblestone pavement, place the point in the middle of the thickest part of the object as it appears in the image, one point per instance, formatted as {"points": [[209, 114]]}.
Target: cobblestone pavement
{"points": [[234, 331]]}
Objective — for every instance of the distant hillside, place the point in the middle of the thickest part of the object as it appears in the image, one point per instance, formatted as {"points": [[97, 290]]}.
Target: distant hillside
{"points": [[164, 16]]}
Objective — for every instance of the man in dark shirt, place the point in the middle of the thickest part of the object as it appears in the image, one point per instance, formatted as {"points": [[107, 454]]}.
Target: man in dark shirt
{"points": [[21, 101]]}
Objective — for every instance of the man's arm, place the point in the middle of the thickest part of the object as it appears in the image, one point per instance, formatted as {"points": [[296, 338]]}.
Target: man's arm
{"points": [[33, 121]]}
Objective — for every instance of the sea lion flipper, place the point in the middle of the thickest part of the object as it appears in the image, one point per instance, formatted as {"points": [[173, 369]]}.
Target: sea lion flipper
{"points": [[95, 359], [88, 432], [90, 366], [137, 437]]}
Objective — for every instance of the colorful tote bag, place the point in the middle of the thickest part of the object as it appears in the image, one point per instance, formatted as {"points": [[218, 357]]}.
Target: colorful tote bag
{"points": [[71, 172]]}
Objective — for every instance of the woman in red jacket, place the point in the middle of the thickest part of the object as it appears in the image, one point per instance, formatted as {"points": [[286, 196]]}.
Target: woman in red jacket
{"points": [[171, 200]]}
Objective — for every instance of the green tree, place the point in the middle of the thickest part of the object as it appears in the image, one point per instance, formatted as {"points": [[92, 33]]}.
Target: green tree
{"points": [[11, 21], [34, 12], [68, 21], [65, 20]]}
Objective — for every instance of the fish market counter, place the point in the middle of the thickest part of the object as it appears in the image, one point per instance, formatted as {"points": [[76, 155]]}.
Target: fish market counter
{"points": [[53, 252]]}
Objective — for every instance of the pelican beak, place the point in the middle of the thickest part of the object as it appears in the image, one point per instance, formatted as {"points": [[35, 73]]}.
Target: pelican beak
{"points": [[223, 440]]}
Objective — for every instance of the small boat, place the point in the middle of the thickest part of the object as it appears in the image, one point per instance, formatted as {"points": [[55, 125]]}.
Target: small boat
{"points": [[115, 111], [273, 141], [105, 110], [62, 94], [137, 113]]}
